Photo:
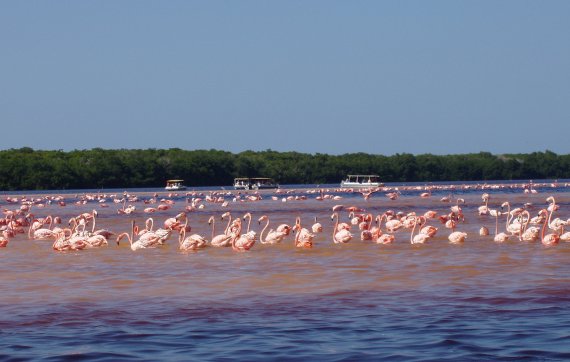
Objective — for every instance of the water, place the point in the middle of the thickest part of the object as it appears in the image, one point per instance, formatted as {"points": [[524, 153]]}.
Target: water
{"points": [[358, 301]]}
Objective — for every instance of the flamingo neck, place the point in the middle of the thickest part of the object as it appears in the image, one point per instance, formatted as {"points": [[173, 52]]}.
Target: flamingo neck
{"points": [[263, 230]]}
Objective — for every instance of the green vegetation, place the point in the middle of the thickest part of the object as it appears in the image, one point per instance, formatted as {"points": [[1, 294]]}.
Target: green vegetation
{"points": [[28, 169]]}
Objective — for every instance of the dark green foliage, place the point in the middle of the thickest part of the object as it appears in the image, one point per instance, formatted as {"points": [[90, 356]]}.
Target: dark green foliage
{"points": [[27, 169]]}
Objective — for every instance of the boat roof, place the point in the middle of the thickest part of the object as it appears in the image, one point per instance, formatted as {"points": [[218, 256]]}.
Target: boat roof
{"points": [[169, 181], [253, 178], [363, 176]]}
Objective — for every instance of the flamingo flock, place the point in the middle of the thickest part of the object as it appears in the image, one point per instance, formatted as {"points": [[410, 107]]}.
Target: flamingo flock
{"points": [[81, 232]]}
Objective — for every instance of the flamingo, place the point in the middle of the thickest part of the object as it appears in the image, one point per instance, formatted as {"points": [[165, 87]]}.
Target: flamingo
{"points": [[303, 237], [514, 227], [367, 193], [36, 232], [565, 236], [273, 236], [427, 194], [429, 230], [548, 239], [225, 239], [150, 241], [3, 241], [393, 225], [104, 232], [162, 235], [499, 237], [247, 216], [243, 242], [377, 236], [65, 243], [317, 227], [484, 209], [192, 242], [340, 236], [457, 237], [528, 234], [419, 238], [557, 224], [285, 228]]}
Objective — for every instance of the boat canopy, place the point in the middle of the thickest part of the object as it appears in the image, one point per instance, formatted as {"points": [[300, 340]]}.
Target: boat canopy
{"points": [[363, 178]]}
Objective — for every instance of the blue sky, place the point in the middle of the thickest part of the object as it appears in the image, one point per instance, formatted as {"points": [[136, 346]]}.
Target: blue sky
{"points": [[333, 77]]}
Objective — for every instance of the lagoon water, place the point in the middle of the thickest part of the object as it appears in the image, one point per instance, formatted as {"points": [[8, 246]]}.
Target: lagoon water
{"points": [[359, 301]]}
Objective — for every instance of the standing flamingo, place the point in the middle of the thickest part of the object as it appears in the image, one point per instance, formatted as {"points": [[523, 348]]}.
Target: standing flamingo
{"points": [[378, 236], [340, 236], [317, 227], [3, 241], [484, 209], [548, 239], [528, 233], [303, 237], [247, 216], [420, 238], [225, 239], [499, 237], [557, 224], [273, 236], [243, 242], [192, 242], [151, 240]]}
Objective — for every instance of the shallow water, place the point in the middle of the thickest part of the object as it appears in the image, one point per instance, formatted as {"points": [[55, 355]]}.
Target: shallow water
{"points": [[358, 301]]}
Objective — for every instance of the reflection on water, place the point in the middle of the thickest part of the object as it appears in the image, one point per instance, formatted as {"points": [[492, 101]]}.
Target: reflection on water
{"points": [[359, 301]]}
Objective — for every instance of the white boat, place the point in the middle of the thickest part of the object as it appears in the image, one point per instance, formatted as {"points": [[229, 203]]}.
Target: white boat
{"points": [[361, 181], [254, 183], [175, 185]]}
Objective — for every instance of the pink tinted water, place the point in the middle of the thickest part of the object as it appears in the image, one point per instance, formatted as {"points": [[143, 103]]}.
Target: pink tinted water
{"points": [[438, 285]]}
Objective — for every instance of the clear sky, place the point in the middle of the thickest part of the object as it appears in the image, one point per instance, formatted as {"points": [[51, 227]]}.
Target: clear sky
{"points": [[333, 77]]}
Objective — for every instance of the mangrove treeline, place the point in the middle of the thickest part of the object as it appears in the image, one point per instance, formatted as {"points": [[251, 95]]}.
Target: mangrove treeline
{"points": [[28, 169]]}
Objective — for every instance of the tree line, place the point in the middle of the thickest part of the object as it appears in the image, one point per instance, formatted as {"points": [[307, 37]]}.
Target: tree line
{"points": [[29, 169]]}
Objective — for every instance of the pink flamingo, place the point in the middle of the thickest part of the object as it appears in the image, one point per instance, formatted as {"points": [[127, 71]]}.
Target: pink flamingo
{"points": [[192, 242], [548, 239], [528, 233], [3, 241], [427, 193], [103, 232], [317, 227], [340, 236], [243, 242], [36, 232], [565, 236], [65, 242], [162, 235], [378, 236], [149, 242], [247, 216], [499, 237], [273, 236], [457, 237], [419, 238], [393, 225], [484, 209], [225, 239], [429, 230], [303, 237], [284, 228], [557, 224]]}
